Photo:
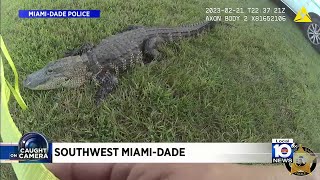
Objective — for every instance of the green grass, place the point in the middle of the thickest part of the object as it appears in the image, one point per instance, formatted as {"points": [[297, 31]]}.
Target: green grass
{"points": [[250, 83]]}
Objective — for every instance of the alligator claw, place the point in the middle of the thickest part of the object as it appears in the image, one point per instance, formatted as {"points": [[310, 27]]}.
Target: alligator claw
{"points": [[80, 50], [108, 83]]}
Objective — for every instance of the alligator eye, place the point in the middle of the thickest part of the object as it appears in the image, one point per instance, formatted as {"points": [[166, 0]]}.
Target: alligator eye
{"points": [[50, 70], [66, 79]]}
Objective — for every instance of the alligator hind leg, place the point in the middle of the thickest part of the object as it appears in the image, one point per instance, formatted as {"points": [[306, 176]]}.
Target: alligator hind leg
{"points": [[132, 27], [107, 82], [151, 49], [80, 50]]}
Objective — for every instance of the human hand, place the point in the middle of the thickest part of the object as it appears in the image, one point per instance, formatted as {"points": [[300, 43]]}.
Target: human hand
{"points": [[174, 172]]}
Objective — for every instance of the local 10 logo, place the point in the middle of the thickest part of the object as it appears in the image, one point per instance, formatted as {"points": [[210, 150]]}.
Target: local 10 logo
{"points": [[282, 150]]}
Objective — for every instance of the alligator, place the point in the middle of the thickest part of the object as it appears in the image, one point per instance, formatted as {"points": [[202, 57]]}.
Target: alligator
{"points": [[114, 55]]}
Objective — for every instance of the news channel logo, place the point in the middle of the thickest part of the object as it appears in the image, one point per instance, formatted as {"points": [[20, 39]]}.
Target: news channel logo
{"points": [[299, 160], [33, 147]]}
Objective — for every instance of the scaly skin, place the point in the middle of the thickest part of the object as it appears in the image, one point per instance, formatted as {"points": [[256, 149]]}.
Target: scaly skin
{"points": [[104, 62]]}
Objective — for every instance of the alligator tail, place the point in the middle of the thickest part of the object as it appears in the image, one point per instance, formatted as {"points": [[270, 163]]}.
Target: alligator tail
{"points": [[177, 33]]}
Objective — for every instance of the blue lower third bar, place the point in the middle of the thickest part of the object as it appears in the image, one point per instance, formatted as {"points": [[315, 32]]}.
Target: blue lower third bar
{"points": [[6, 150], [59, 13]]}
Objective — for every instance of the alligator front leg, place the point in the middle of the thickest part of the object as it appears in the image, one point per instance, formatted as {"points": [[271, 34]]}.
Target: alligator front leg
{"points": [[151, 49], [107, 83], [80, 50]]}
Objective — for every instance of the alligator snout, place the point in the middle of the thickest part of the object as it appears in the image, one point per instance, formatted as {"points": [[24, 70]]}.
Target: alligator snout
{"points": [[28, 83], [34, 80]]}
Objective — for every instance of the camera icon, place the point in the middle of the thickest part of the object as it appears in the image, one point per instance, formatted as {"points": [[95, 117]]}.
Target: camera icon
{"points": [[33, 140]]}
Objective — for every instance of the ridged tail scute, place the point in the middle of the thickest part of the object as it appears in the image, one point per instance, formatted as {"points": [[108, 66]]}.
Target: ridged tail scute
{"points": [[199, 28], [191, 30]]}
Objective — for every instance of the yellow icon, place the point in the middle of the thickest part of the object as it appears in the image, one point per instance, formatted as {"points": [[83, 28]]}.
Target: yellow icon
{"points": [[303, 16], [302, 161]]}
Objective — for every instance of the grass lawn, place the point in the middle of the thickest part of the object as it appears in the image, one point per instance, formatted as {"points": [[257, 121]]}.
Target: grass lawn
{"points": [[250, 83]]}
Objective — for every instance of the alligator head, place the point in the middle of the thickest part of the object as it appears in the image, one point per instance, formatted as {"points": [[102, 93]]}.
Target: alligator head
{"points": [[67, 72]]}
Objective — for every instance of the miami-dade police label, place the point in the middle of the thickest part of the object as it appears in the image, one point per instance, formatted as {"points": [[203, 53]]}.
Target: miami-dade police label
{"points": [[59, 13]]}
